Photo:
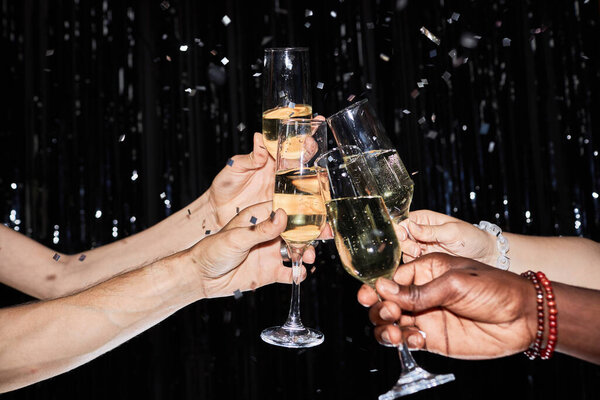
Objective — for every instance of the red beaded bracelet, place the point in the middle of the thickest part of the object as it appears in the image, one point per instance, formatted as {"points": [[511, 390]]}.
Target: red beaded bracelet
{"points": [[541, 284]]}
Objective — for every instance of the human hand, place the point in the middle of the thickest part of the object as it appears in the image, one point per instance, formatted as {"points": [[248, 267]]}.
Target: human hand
{"points": [[244, 256], [426, 232], [466, 309], [246, 179]]}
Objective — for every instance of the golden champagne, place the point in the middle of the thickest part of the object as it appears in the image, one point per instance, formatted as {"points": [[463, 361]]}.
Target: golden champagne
{"points": [[297, 193], [271, 121], [392, 180], [364, 237]]}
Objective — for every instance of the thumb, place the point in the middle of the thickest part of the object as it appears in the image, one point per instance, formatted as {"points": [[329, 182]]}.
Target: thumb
{"points": [[247, 237], [254, 160], [412, 297], [433, 233]]}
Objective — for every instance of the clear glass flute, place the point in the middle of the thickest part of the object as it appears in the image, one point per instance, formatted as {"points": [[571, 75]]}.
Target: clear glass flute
{"points": [[366, 241], [358, 125], [297, 192], [286, 90]]}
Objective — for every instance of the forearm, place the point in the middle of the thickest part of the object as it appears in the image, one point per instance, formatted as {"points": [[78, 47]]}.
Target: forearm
{"points": [[41, 272], [578, 322], [571, 260], [43, 339]]}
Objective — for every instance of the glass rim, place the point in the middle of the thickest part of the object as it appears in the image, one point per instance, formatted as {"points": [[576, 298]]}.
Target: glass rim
{"points": [[337, 148], [303, 121], [350, 107], [285, 49]]}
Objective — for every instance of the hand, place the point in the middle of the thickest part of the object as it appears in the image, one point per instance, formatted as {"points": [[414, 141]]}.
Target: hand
{"points": [[431, 232], [244, 256], [248, 180], [466, 309]]}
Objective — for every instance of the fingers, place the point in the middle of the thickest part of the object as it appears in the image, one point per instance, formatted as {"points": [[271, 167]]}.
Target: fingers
{"points": [[326, 233], [309, 255], [254, 160], [414, 298], [249, 236], [409, 247], [367, 296], [260, 211], [432, 233], [384, 312]]}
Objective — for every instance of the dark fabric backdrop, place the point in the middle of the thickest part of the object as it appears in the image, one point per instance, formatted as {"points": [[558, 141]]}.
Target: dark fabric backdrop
{"points": [[498, 121]]}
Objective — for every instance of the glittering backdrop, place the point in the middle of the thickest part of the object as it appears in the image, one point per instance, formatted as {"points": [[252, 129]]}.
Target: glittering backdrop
{"points": [[116, 113]]}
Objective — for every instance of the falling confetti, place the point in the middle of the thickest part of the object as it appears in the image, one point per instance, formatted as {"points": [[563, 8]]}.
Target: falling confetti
{"points": [[430, 35], [226, 20], [237, 294]]}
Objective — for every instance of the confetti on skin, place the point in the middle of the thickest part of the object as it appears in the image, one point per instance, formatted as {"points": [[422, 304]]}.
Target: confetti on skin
{"points": [[253, 220], [272, 215], [56, 256], [430, 35], [237, 210], [230, 162], [207, 232], [237, 294], [189, 212], [82, 257]]}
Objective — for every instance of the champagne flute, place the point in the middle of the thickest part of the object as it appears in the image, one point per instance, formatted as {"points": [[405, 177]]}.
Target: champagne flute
{"points": [[286, 90], [297, 192], [358, 125], [366, 241]]}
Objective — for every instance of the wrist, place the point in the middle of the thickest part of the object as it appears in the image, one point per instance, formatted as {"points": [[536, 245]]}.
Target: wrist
{"points": [[498, 246], [186, 274]]}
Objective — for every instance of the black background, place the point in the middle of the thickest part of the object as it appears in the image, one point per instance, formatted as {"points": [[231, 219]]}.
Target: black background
{"points": [[505, 128]]}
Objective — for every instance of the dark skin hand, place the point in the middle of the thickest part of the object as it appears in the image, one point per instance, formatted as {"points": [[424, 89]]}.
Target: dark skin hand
{"points": [[470, 310]]}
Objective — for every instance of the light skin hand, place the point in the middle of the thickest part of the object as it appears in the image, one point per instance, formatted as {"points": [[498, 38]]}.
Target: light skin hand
{"points": [[467, 309], [248, 180], [426, 232]]}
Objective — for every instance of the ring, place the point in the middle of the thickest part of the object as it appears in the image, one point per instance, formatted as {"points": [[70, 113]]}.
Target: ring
{"points": [[283, 250]]}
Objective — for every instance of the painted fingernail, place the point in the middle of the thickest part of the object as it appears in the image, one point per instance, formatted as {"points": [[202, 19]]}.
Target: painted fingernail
{"points": [[389, 287], [386, 337], [385, 314]]}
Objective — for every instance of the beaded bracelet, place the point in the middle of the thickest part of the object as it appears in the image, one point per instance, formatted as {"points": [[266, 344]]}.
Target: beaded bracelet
{"points": [[541, 284], [502, 262]]}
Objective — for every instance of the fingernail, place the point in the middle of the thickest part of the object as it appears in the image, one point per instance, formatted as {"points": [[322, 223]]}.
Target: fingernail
{"points": [[412, 341], [401, 234], [389, 287], [385, 314], [386, 337]]}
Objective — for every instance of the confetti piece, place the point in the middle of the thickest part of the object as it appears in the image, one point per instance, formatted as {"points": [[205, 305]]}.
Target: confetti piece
{"points": [[168, 58], [430, 35], [308, 13], [165, 5], [199, 42], [237, 210], [213, 52], [414, 94], [183, 48], [253, 220], [484, 129], [369, 86], [241, 126], [272, 215], [406, 112], [422, 120], [401, 4], [384, 57], [431, 134], [320, 85], [224, 61], [56, 256], [163, 195], [307, 25], [266, 40], [370, 25], [313, 269], [82, 257], [333, 14], [455, 16], [122, 138], [49, 52], [468, 40], [226, 20], [351, 97], [207, 232], [446, 76], [432, 53], [506, 42], [189, 212], [491, 147], [230, 162], [237, 294], [257, 74]]}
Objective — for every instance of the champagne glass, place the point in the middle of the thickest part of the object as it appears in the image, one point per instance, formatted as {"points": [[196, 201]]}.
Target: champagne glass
{"points": [[358, 125], [286, 90], [366, 241], [297, 192]]}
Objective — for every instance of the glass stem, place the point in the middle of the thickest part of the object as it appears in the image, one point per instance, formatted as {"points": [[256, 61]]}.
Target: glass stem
{"points": [[407, 362], [293, 320]]}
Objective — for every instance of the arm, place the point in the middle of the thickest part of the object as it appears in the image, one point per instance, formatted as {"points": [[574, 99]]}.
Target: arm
{"points": [[46, 338], [472, 311], [30, 267], [570, 260]]}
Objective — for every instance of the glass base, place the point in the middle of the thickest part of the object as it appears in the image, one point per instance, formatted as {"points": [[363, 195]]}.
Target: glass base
{"points": [[292, 338], [414, 381]]}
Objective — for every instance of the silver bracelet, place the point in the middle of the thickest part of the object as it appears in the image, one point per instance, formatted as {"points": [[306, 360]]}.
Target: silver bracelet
{"points": [[502, 262]]}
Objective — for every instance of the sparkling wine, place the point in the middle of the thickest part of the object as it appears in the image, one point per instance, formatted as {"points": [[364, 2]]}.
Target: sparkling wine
{"points": [[297, 193], [271, 119], [392, 180], [364, 237]]}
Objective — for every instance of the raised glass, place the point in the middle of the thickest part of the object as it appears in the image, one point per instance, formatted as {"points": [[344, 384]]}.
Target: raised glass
{"points": [[286, 90], [366, 241], [297, 192]]}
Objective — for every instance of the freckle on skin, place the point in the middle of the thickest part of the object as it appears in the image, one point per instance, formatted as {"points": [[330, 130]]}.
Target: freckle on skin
{"points": [[194, 261], [51, 277]]}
